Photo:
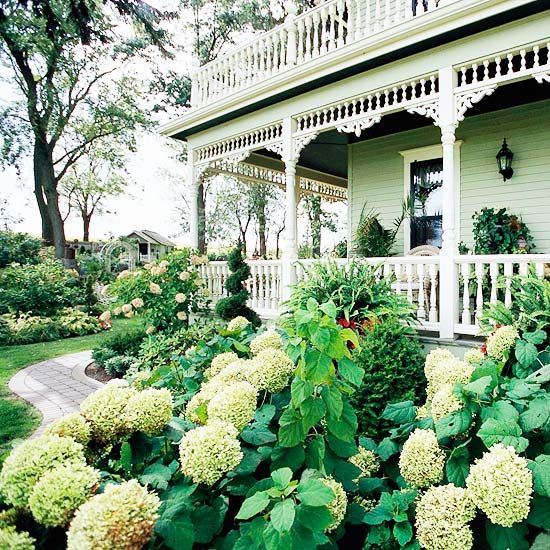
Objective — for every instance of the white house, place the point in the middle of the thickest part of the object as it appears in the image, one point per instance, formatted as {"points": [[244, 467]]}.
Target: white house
{"points": [[355, 100], [151, 245]]}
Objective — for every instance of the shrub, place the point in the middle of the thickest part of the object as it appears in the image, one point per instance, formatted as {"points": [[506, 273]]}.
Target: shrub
{"points": [[73, 322], [163, 293], [393, 364], [234, 305], [118, 365], [119, 343], [27, 329], [18, 248], [42, 289], [355, 290]]}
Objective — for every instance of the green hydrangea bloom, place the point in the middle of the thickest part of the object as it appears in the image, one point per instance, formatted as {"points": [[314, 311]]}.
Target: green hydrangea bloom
{"points": [[501, 342], [61, 491], [105, 411], [338, 505], [449, 371], [121, 518], [237, 371], [208, 452], [501, 484], [422, 460], [268, 339], [72, 425], [28, 462], [474, 356], [366, 461], [195, 410], [442, 516], [10, 539], [271, 370], [150, 410], [235, 404], [238, 323], [220, 362], [445, 402]]}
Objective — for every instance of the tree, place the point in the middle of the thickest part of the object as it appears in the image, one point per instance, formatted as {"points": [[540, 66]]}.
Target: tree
{"points": [[69, 97], [318, 219], [88, 185]]}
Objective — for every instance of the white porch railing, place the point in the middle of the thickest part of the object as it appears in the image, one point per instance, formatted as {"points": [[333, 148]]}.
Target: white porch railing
{"points": [[482, 280], [315, 33], [486, 279]]}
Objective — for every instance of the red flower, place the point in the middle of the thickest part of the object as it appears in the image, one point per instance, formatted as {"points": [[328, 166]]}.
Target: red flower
{"points": [[344, 323], [484, 348]]}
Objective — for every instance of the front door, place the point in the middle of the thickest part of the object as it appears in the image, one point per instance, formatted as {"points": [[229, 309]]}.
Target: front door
{"points": [[426, 202]]}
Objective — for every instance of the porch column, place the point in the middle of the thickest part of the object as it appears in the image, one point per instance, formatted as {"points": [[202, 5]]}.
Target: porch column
{"points": [[290, 245], [448, 277], [192, 182]]}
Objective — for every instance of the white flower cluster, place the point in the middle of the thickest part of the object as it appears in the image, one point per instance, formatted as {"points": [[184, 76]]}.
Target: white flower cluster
{"points": [[208, 452], [238, 323], [338, 505], [501, 342], [444, 402], [434, 358], [235, 404], [220, 362], [271, 370], [268, 339], [366, 461], [500, 484], [474, 356], [442, 516], [422, 460]]}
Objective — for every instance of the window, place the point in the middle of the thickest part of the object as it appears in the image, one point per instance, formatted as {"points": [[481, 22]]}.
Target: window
{"points": [[426, 202]]}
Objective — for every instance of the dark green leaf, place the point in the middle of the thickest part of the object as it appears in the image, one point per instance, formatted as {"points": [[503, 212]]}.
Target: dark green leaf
{"points": [[501, 410], [177, 530], [537, 337], [454, 424], [540, 376], [538, 515], [126, 456], [402, 532], [265, 413], [333, 400], [275, 540], [253, 505], [350, 371], [386, 448], [291, 432], [536, 414], [526, 353], [458, 466], [400, 413], [316, 518], [502, 538], [479, 386], [315, 452], [312, 409], [258, 434], [541, 474], [499, 431], [345, 427], [281, 477], [313, 492], [300, 391], [542, 542]]}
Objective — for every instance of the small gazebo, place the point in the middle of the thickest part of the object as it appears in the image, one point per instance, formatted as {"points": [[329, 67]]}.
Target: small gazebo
{"points": [[151, 245]]}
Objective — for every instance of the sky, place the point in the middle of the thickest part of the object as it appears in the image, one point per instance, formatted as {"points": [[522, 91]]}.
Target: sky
{"points": [[151, 201]]}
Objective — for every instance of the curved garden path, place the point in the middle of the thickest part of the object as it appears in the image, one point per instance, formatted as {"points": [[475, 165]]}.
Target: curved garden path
{"points": [[56, 387]]}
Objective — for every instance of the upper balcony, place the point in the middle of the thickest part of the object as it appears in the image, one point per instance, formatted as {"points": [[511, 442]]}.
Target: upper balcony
{"points": [[332, 41]]}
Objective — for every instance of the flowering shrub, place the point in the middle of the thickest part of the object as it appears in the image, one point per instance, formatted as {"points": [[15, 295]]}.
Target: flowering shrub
{"points": [[164, 293]]}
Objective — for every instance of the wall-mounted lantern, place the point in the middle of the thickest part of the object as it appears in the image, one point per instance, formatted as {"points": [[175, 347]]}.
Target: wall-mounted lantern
{"points": [[504, 161]]}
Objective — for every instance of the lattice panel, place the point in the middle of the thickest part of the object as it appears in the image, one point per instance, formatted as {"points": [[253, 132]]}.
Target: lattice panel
{"points": [[505, 66], [247, 142], [377, 102]]}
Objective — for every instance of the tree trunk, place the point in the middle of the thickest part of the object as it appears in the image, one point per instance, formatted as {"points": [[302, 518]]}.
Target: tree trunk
{"points": [[45, 177], [201, 200], [47, 229], [86, 219], [261, 233], [243, 240]]}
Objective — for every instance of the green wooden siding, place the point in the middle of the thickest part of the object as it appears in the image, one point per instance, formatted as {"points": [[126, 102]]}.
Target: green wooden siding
{"points": [[376, 170]]}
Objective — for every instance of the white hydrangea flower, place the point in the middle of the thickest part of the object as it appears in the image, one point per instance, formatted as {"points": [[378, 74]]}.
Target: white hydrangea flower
{"points": [[235, 404], [445, 402], [449, 371], [219, 362], [268, 339], [422, 460], [434, 358], [126, 308], [149, 411], [474, 356], [338, 505], [155, 288], [442, 516], [180, 297], [208, 452], [366, 461], [238, 323], [181, 315], [137, 303], [501, 342], [184, 275], [501, 484]]}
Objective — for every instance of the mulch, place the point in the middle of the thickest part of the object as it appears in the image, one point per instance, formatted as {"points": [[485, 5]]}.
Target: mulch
{"points": [[97, 373]]}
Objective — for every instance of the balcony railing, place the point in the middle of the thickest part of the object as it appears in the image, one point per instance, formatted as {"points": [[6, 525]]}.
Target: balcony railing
{"points": [[315, 33], [481, 280]]}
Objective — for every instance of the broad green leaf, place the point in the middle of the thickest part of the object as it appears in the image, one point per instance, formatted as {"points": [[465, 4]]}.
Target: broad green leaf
{"points": [[458, 466], [501, 410], [541, 474], [502, 538], [381, 512], [315, 452], [537, 337], [536, 414], [454, 424], [300, 390], [249, 463], [291, 457], [313, 492], [208, 520], [386, 448], [540, 376], [281, 477], [253, 505], [479, 386], [312, 305], [282, 515], [400, 413], [291, 432], [265, 413], [258, 434], [126, 456], [328, 308], [316, 518], [333, 400], [313, 410], [318, 366], [177, 530], [350, 336], [402, 532], [275, 540], [538, 515], [526, 353], [499, 431], [156, 475], [379, 535], [321, 338], [542, 542], [343, 449], [350, 371], [345, 427]]}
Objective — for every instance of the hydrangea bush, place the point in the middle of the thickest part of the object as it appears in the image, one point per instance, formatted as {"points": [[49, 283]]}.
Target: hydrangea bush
{"points": [[163, 292]]}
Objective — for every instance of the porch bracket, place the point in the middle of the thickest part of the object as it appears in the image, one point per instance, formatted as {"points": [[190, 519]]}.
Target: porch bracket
{"points": [[429, 109], [466, 100], [276, 148], [300, 143], [357, 126], [235, 158], [542, 77]]}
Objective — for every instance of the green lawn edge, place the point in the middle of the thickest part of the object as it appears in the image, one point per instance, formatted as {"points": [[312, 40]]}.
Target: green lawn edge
{"points": [[18, 417]]}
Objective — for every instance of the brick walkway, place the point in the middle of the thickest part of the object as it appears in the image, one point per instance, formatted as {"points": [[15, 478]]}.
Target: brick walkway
{"points": [[56, 387]]}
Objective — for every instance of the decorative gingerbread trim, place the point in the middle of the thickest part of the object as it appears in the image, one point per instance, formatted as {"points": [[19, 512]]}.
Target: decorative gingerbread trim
{"points": [[357, 126], [466, 100], [542, 77], [430, 109], [301, 142], [276, 148]]}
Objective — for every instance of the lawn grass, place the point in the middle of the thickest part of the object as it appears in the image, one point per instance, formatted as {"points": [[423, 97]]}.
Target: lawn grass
{"points": [[18, 418]]}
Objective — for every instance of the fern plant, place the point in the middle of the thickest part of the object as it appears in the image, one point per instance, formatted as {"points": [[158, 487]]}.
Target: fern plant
{"points": [[371, 238]]}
